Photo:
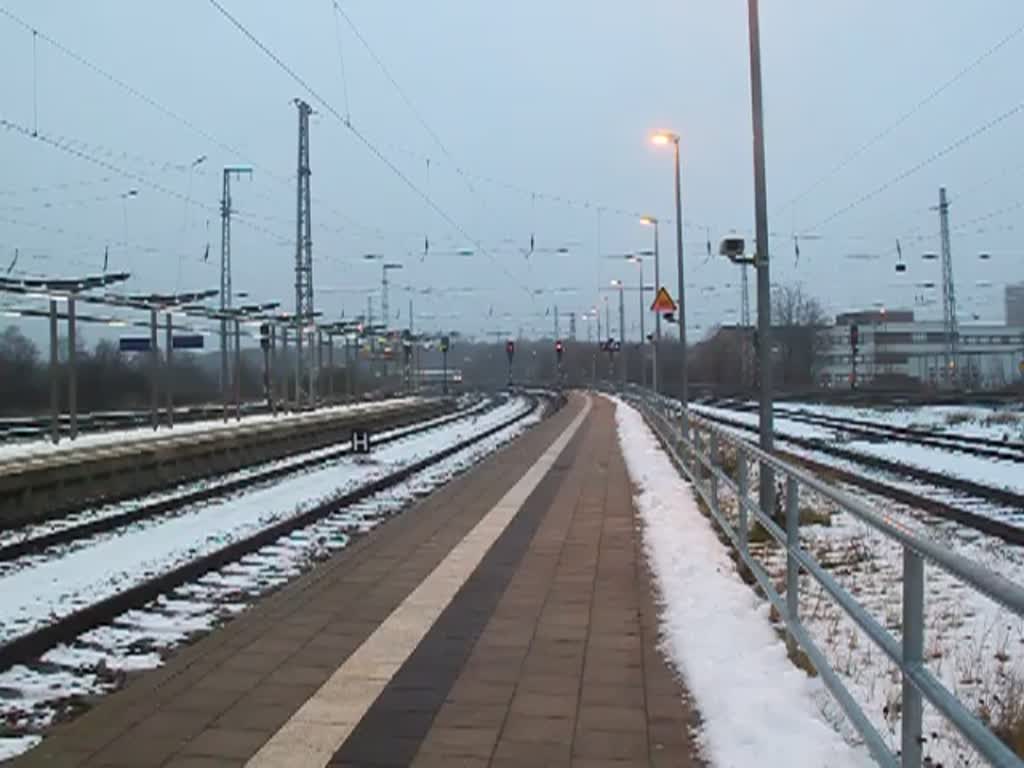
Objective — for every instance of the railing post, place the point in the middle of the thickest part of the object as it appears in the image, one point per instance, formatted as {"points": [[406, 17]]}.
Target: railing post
{"points": [[684, 430], [696, 468], [742, 482], [792, 567], [713, 461], [913, 654]]}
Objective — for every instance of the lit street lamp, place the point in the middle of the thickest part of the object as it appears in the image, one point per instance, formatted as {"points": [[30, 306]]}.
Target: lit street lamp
{"points": [[663, 138]]}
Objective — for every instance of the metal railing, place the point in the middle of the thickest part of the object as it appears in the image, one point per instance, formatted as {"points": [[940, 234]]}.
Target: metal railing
{"points": [[696, 445]]}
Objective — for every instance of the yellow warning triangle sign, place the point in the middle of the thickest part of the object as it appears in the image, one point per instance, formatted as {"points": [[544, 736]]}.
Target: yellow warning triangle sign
{"points": [[663, 302]]}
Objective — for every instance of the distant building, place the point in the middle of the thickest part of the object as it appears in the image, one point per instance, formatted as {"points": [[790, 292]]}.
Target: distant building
{"points": [[1015, 304], [894, 349]]}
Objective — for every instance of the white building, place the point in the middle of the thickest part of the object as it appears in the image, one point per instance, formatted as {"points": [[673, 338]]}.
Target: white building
{"points": [[894, 349], [1015, 304]]}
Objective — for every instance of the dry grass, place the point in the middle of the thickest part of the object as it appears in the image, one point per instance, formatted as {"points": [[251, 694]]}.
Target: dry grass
{"points": [[1003, 418], [952, 419]]}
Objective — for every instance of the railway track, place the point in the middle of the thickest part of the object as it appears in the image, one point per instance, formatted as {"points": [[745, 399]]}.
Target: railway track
{"points": [[64, 630], [1003, 498], [39, 543], [879, 431]]}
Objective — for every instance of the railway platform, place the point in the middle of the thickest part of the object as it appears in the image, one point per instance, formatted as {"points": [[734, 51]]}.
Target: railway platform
{"points": [[44, 480], [507, 619]]}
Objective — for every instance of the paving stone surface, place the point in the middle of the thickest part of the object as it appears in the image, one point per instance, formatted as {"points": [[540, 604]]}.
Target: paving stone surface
{"points": [[545, 657]]}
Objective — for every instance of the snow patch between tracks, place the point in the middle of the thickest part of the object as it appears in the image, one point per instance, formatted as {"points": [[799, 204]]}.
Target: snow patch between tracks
{"points": [[757, 708]]}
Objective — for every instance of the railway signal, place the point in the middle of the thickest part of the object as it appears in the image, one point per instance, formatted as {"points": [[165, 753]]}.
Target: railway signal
{"points": [[445, 346], [559, 350], [510, 353]]}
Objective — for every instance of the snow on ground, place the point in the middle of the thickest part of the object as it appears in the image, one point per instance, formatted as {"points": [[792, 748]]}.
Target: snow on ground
{"points": [[40, 448], [49, 587], [756, 707], [14, 746], [973, 645], [116, 508], [980, 469], [993, 422], [35, 696]]}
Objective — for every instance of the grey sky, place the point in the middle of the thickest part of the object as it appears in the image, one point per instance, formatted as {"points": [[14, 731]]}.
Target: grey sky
{"points": [[554, 97]]}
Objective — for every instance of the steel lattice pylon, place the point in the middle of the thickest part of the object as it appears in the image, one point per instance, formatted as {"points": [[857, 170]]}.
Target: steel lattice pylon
{"points": [[303, 246], [951, 326]]}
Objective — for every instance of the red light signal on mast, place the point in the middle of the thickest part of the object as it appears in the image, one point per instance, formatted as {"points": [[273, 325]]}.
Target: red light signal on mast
{"points": [[559, 349]]}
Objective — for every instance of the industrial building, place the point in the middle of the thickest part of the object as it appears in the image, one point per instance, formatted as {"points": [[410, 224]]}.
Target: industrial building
{"points": [[1015, 304], [895, 349]]}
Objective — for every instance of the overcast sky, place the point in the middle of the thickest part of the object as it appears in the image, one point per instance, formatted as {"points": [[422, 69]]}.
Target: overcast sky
{"points": [[540, 113]]}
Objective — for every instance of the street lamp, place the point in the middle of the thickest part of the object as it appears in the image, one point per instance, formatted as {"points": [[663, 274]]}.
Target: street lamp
{"points": [[764, 310], [638, 259], [622, 328], [651, 221], [664, 138]]}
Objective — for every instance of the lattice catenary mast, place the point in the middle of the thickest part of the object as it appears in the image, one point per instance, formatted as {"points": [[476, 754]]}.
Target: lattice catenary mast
{"points": [[303, 245], [226, 289], [951, 326]]}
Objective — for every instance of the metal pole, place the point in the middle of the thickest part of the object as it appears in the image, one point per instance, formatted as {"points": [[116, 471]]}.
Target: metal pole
{"points": [[655, 377], [282, 371], [298, 364], [225, 285], [643, 334], [72, 370], [238, 370], [272, 370], [764, 294], [684, 389], [622, 331], [54, 391], [224, 366], [154, 373], [311, 376], [350, 379], [913, 654], [330, 366], [169, 377]]}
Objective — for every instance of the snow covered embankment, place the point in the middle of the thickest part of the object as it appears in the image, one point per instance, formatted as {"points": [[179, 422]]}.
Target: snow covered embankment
{"points": [[757, 708]]}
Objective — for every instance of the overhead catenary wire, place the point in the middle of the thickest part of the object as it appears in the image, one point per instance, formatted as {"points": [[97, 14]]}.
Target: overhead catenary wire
{"points": [[341, 63], [283, 178], [43, 138], [903, 118], [80, 59], [403, 95], [467, 176], [917, 167], [35, 83], [363, 139]]}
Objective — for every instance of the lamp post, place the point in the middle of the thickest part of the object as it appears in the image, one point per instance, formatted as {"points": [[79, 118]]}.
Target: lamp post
{"points": [[651, 221], [662, 138], [638, 259], [764, 310], [622, 330], [385, 267]]}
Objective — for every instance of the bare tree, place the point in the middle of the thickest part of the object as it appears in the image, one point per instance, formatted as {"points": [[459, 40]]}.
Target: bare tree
{"points": [[19, 372], [797, 321]]}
